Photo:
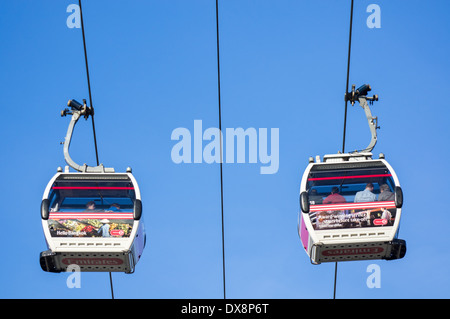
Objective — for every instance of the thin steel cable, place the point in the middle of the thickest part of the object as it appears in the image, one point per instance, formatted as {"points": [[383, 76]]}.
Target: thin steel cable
{"points": [[111, 285], [221, 155], [92, 106], [348, 74], [345, 116], [88, 80], [335, 279]]}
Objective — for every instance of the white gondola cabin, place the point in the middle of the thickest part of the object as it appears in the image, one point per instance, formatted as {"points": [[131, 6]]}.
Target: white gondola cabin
{"points": [[350, 209], [92, 221]]}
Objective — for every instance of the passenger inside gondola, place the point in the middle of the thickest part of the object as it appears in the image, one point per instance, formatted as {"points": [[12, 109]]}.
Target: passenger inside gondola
{"points": [[385, 193], [114, 207], [366, 195], [90, 207], [334, 197]]}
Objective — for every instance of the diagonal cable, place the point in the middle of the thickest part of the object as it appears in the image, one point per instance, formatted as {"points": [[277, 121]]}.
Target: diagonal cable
{"points": [[221, 155], [345, 116], [92, 115]]}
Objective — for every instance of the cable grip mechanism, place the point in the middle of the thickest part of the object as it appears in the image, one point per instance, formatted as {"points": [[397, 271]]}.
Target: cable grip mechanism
{"points": [[360, 95], [77, 110]]}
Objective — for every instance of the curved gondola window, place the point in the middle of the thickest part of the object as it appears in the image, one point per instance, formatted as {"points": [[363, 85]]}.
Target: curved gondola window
{"points": [[349, 182], [70, 196], [334, 202]]}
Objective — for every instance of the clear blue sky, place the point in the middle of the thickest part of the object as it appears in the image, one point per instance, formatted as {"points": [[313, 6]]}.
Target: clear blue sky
{"points": [[283, 65]]}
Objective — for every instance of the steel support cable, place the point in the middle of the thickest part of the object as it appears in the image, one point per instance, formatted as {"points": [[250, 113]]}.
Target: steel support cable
{"points": [[345, 115], [348, 74], [91, 105], [88, 80], [221, 155]]}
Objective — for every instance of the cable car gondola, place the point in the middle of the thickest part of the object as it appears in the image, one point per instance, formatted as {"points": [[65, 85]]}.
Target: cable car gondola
{"points": [[351, 203], [92, 218]]}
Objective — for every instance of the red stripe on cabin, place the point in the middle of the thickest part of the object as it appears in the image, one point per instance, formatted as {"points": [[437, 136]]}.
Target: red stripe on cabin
{"points": [[345, 206], [89, 187], [347, 177], [76, 215]]}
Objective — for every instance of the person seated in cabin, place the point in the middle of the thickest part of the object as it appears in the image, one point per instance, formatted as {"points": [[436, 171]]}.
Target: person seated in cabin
{"points": [[334, 197], [366, 195], [385, 193], [90, 207], [114, 208]]}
